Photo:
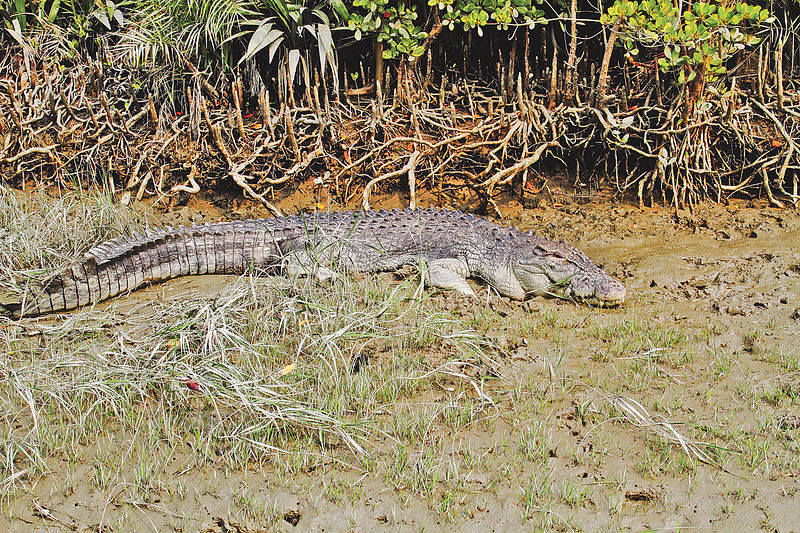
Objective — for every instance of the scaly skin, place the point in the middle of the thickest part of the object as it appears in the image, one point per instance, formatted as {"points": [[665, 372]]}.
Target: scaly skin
{"points": [[450, 245]]}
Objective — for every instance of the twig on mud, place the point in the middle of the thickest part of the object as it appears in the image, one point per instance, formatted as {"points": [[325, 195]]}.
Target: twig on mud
{"points": [[507, 174], [203, 82], [240, 180], [297, 167], [377, 150], [785, 165], [29, 151], [193, 186], [407, 168]]}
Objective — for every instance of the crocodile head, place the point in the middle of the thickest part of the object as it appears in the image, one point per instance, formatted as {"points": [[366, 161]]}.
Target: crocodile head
{"points": [[545, 267]]}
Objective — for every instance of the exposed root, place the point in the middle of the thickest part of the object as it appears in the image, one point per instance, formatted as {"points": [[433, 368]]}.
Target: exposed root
{"points": [[474, 139]]}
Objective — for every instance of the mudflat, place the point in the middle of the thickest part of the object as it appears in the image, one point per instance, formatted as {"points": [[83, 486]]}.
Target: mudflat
{"points": [[220, 403]]}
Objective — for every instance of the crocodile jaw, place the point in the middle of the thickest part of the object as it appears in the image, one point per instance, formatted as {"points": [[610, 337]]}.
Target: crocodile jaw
{"points": [[609, 292]]}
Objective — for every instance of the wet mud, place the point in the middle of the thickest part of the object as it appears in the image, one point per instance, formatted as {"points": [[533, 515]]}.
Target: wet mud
{"points": [[724, 279]]}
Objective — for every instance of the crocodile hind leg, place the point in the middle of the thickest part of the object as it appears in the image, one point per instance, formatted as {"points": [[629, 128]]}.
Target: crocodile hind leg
{"points": [[448, 274]]}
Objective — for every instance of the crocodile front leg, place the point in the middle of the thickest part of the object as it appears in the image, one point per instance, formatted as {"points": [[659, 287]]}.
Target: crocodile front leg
{"points": [[449, 274]]}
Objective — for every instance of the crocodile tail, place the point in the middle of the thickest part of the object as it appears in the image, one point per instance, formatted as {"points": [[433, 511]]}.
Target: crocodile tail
{"points": [[124, 264]]}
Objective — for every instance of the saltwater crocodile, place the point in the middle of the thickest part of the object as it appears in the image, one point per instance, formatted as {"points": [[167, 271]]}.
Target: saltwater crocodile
{"points": [[448, 245]]}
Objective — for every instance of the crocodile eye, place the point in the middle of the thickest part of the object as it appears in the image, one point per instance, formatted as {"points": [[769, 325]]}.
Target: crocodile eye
{"points": [[544, 252]]}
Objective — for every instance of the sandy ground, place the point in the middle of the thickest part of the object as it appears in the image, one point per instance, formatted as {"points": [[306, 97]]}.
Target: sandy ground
{"points": [[725, 279]]}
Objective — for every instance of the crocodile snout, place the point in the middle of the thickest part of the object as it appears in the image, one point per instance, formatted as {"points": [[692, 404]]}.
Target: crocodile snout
{"points": [[610, 293]]}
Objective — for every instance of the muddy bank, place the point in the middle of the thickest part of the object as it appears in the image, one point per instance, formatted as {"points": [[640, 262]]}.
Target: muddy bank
{"points": [[706, 342]]}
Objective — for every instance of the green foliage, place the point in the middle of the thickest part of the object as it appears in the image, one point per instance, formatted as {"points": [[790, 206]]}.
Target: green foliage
{"points": [[395, 24], [28, 12], [291, 33], [161, 31], [401, 34], [696, 41], [78, 20], [475, 14]]}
